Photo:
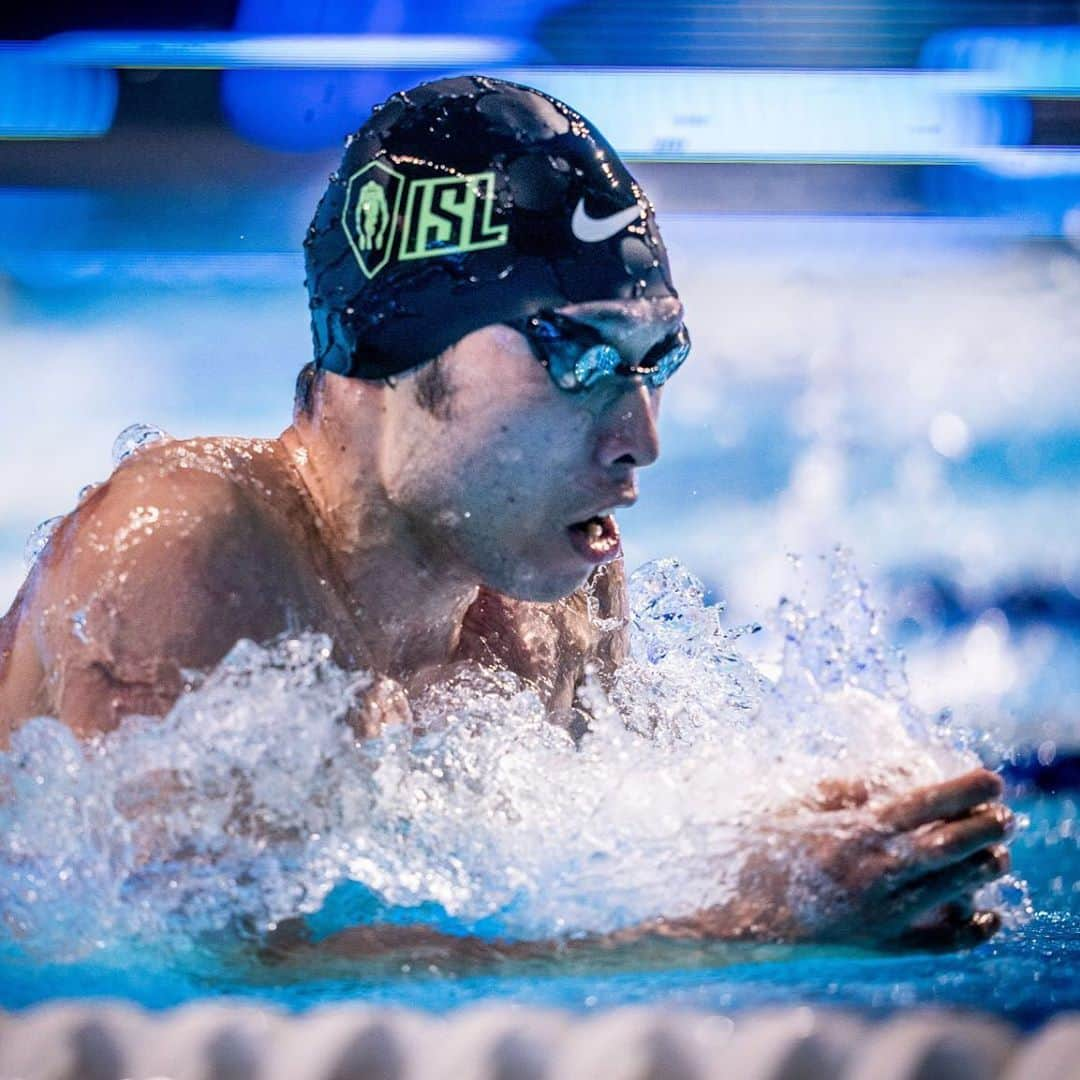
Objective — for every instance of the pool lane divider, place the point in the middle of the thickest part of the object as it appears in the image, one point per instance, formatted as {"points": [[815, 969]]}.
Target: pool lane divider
{"points": [[214, 1041]]}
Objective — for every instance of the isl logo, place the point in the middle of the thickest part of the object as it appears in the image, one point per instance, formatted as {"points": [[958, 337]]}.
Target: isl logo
{"points": [[442, 215], [372, 198]]}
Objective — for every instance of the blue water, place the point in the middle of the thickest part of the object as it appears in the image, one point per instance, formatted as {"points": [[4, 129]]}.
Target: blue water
{"points": [[1026, 974]]}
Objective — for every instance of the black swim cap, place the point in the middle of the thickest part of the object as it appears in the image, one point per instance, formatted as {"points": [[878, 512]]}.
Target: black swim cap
{"points": [[465, 202]]}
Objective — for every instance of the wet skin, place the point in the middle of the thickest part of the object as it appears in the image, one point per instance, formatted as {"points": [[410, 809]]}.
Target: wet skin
{"points": [[420, 537]]}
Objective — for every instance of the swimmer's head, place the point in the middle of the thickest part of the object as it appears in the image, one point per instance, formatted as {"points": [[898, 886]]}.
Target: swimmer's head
{"points": [[479, 468], [465, 203]]}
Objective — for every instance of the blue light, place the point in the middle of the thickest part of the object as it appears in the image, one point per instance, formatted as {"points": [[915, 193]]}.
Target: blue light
{"points": [[311, 110], [47, 101], [289, 91], [1041, 184], [380, 52], [802, 116], [1041, 61], [516, 18], [146, 269], [303, 110]]}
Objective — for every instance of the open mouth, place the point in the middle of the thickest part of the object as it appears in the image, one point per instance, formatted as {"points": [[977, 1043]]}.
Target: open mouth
{"points": [[596, 538]]}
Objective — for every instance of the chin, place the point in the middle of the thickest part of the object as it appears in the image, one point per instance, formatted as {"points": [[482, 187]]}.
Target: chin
{"points": [[537, 585]]}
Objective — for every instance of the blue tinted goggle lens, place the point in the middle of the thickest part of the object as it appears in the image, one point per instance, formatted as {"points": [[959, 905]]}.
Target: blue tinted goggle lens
{"points": [[594, 363], [577, 359]]}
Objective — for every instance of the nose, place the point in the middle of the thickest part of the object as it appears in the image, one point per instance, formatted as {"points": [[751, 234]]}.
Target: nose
{"points": [[628, 433]]}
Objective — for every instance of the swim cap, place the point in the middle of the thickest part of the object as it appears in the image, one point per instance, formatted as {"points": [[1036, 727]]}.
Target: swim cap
{"points": [[465, 202]]}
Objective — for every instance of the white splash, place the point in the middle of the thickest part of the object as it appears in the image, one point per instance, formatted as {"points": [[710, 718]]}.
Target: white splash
{"points": [[251, 800]]}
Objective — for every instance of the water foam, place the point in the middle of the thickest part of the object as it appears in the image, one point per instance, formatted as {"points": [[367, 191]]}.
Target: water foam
{"points": [[252, 800]]}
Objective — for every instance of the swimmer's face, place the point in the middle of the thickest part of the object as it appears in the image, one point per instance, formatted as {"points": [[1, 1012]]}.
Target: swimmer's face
{"points": [[495, 478]]}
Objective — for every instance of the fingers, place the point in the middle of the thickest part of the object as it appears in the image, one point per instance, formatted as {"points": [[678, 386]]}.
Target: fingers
{"points": [[948, 800], [918, 897], [940, 845], [952, 933], [959, 911], [982, 926]]}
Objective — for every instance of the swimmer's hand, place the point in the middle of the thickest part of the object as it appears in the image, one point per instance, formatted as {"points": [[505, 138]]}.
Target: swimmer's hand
{"points": [[899, 874]]}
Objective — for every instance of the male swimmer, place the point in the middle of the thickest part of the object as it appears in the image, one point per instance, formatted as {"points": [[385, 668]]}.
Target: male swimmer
{"points": [[494, 319]]}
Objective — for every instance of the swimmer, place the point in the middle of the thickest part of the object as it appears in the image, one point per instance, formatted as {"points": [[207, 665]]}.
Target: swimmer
{"points": [[494, 320]]}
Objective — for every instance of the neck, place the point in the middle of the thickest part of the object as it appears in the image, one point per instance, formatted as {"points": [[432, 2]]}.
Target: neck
{"points": [[408, 610]]}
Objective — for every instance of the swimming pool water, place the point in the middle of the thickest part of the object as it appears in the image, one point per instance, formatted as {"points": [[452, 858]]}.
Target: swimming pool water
{"points": [[1026, 974]]}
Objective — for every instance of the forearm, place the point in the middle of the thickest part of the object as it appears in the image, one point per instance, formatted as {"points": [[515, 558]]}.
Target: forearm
{"points": [[424, 945]]}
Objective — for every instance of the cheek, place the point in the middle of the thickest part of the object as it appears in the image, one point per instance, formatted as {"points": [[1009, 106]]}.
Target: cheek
{"points": [[449, 473], [496, 454], [418, 462], [527, 462]]}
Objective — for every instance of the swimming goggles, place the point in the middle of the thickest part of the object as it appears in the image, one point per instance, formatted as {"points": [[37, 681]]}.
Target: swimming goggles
{"points": [[577, 357]]}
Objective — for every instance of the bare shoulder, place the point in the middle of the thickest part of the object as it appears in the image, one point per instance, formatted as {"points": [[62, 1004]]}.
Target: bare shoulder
{"points": [[183, 550]]}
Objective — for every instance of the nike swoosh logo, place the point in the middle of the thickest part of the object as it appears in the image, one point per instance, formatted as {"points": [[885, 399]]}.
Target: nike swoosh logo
{"points": [[593, 230]]}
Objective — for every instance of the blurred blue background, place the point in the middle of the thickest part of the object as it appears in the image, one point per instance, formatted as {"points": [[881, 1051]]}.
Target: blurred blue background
{"points": [[873, 213]]}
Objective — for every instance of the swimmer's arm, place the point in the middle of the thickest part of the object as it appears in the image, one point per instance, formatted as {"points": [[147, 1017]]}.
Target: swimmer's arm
{"points": [[904, 880]]}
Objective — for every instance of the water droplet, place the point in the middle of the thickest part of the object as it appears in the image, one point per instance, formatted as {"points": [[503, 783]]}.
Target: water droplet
{"points": [[133, 438], [86, 489], [36, 541], [78, 626]]}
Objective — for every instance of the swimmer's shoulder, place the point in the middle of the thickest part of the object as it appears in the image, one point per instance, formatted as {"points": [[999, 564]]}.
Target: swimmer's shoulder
{"points": [[162, 567], [217, 475], [182, 503]]}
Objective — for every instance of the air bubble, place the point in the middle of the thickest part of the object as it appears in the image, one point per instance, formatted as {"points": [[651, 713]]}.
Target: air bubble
{"points": [[39, 538], [134, 438]]}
